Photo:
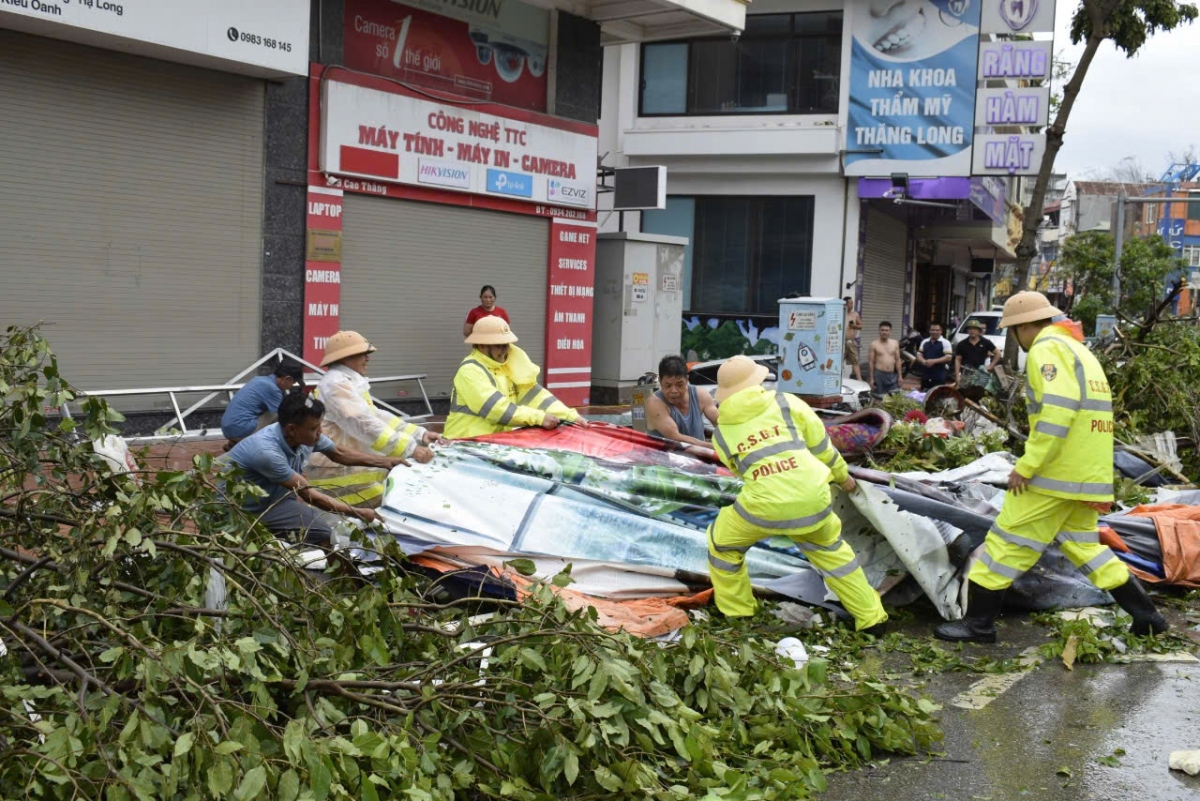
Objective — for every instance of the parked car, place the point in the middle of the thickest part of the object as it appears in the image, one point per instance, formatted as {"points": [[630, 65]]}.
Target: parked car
{"points": [[993, 331], [703, 376]]}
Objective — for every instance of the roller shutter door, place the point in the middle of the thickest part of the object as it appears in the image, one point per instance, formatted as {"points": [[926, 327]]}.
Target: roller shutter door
{"points": [[883, 276], [131, 200], [411, 272]]}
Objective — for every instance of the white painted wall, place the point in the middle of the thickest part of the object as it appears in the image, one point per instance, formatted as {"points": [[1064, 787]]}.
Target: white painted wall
{"points": [[740, 155]]}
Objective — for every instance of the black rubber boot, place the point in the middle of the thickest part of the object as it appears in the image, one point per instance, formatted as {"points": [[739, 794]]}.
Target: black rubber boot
{"points": [[1132, 597], [983, 607], [959, 550]]}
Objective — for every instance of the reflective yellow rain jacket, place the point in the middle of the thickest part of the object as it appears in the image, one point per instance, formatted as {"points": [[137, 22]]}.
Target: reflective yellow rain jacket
{"points": [[1070, 449], [779, 447], [353, 421], [490, 396]]}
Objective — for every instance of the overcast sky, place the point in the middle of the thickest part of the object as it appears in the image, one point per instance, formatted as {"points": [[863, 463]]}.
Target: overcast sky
{"points": [[1145, 106]]}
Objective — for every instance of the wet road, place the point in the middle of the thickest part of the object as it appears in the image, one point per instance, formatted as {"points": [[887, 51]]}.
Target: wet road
{"points": [[1038, 734]]}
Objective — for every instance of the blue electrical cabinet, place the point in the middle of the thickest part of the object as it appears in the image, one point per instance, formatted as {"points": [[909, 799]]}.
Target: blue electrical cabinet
{"points": [[811, 341]]}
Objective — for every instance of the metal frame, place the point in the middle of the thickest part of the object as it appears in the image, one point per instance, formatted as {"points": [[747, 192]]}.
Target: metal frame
{"points": [[164, 433]]}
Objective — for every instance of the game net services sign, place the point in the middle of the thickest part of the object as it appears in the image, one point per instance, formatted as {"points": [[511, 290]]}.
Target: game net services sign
{"points": [[265, 37]]}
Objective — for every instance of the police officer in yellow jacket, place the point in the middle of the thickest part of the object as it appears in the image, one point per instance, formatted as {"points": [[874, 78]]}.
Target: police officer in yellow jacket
{"points": [[354, 422], [1061, 484], [496, 387], [779, 447]]}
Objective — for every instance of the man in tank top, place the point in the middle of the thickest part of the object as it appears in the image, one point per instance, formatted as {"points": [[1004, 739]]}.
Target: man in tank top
{"points": [[677, 411]]}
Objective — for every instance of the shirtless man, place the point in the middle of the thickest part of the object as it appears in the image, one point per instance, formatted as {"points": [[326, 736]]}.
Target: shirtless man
{"points": [[884, 366], [853, 327]]}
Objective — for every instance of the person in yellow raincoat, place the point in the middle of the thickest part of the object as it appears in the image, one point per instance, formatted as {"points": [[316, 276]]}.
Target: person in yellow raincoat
{"points": [[496, 387], [353, 421], [779, 448], [1063, 482]]}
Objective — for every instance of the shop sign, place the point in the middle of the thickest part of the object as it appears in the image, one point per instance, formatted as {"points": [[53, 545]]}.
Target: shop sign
{"points": [[269, 36], [1020, 60], [1017, 16], [1008, 154], [322, 276], [569, 311], [912, 90], [493, 50], [1027, 106], [395, 138]]}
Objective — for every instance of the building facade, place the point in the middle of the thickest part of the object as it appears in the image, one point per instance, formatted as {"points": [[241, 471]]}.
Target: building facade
{"points": [[189, 185], [754, 132]]}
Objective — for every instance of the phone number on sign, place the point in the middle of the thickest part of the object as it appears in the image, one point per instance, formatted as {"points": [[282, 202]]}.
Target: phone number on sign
{"points": [[252, 38]]}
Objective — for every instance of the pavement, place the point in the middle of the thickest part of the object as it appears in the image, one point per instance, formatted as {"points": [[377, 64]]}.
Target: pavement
{"points": [[1099, 732]]}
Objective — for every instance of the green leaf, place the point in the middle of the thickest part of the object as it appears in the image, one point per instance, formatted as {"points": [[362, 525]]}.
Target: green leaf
{"points": [[252, 784], [228, 747], [220, 777], [524, 567], [531, 659], [184, 743], [288, 788], [571, 767]]}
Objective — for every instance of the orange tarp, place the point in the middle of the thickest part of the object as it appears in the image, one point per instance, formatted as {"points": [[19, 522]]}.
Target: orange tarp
{"points": [[1178, 529], [644, 617]]}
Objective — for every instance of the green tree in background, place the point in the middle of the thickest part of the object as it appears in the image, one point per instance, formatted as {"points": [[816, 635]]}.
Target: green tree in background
{"points": [[1087, 262]]}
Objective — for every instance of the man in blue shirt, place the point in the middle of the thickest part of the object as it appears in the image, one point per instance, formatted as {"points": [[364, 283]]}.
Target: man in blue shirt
{"points": [[260, 396], [934, 357], [274, 459]]}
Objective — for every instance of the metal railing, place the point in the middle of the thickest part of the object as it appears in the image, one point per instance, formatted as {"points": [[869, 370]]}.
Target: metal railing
{"points": [[178, 430]]}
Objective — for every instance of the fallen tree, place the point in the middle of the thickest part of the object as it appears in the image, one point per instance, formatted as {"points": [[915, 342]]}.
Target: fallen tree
{"points": [[159, 644]]}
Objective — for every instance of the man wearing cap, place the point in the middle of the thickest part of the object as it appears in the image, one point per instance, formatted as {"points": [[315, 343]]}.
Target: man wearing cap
{"points": [[353, 421], [255, 404], [274, 460], [1062, 483], [779, 448], [496, 387], [973, 352]]}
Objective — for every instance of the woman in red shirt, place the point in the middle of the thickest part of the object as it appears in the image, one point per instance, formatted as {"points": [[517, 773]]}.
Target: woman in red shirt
{"points": [[487, 308]]}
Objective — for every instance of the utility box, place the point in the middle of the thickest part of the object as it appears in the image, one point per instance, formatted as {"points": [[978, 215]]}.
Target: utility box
{"points": [[638, 313], [1105, 323], [812, 336]]}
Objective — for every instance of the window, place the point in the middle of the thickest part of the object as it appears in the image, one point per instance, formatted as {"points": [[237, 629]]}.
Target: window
{"points": [[1151, 213], [1193, 208], [1191, 255], [781, 64], [748, 252]]}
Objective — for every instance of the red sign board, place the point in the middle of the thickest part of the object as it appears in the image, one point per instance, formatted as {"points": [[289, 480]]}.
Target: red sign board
{"points": [[569, 311], [493, 50], [322, 271]]}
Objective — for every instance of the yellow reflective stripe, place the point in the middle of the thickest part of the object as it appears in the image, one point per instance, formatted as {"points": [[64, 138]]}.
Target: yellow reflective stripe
{"points": [[786, 410], [1096, 405], [528, 397], [509, 414], [1097, 562], [1053, 429], [373, 476], [795, 522], [363, 495], [549, 401], [1072, 487], [1018, 540], [721, 564], [388, 432], [1084, 537], [998, 568], [841, 572], [757, 456], [485, 370], [490, 403], [1061, 401]]}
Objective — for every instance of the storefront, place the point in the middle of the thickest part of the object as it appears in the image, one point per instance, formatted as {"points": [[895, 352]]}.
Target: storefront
{"points": [[133, 184], [446, 176]]}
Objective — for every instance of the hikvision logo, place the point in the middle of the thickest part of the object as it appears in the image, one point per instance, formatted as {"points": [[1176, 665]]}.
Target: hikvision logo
{"points": [[443, 173], [570, 194]]}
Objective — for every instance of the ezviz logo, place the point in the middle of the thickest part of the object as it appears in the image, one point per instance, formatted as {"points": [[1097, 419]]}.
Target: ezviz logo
{"points": [[443, 173], [569, 194]]}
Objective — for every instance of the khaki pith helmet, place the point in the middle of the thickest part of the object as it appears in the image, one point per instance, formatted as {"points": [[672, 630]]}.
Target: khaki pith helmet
{"points": [[737, 374], [345, 344], [975, 323], [491, 330], [1027, 307]]}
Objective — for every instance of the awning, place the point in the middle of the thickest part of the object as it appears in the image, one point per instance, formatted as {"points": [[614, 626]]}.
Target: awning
{"points": [[625, 21]]}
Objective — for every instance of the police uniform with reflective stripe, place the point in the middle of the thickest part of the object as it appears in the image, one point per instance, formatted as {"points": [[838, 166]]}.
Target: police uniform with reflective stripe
{"points": [[779, 447], [491, 396], [1068, 461], [353, 421]]}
